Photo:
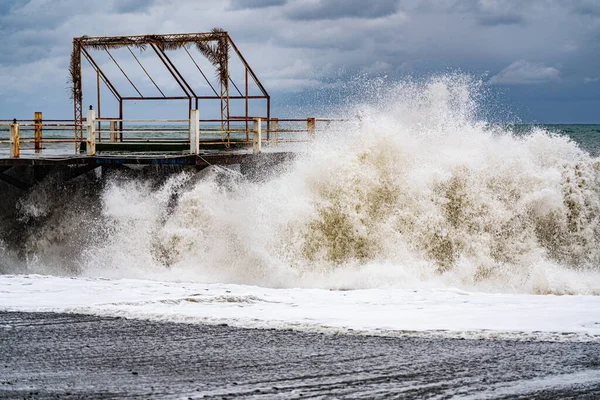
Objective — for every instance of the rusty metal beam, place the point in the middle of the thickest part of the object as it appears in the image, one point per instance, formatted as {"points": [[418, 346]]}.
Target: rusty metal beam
{"points": [[177, 71], [171, 72], [158, 98], [108, 83], [118, 66], [235, 86], [147, 74], [257, 81], [140, 40], [199, 69], [269, 118], [77, 92], [98, 100], [246, 101], [161, 44], [254, 77], [187, 97]]}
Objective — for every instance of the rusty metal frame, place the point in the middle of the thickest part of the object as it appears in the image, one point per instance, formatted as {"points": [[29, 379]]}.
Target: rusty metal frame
{"points": [[161, 44]]}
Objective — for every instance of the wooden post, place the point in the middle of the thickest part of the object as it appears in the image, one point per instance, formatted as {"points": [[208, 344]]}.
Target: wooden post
{"points": [[38, 131], [113, 131], [91, 132], [194, 131], [15, 138], [275, 129], [256, 139], [310, 126]]}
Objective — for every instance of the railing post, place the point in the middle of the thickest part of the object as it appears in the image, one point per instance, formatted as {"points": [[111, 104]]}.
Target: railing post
{"points": [[194, 131], [91, 132], [38, 131], [310, 126], [113, 131], [256, 139], [15, 139], [275, 129]]}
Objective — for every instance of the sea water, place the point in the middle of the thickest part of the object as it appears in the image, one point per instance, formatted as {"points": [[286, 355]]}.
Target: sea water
{"points": [[420, 193]]}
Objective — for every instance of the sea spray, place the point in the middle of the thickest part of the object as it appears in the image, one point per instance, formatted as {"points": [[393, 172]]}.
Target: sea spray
{"points": [[420, 191]]}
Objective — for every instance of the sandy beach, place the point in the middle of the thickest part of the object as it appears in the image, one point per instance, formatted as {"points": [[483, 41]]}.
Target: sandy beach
{"points": [[51, 356]]}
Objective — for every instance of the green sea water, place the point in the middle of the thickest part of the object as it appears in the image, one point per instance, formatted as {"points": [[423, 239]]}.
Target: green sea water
{"points": [[585, 135]]}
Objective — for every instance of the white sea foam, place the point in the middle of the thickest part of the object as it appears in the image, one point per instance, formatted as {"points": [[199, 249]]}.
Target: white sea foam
{"points": [[420, 193], [389, 312]]}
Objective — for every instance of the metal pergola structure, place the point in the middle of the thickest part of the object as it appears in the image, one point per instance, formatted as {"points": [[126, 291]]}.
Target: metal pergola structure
{"points": [[214, 45]]}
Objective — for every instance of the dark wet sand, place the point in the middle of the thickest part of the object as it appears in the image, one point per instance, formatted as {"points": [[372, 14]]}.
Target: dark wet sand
{"points": [[45, 355]]}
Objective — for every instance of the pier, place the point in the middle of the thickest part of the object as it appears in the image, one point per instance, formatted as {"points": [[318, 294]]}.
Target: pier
{"points": [[185, 144], [98, 139]]}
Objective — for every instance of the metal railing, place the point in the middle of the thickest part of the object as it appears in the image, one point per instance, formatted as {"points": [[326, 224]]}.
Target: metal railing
{"points": [[252, 132]]}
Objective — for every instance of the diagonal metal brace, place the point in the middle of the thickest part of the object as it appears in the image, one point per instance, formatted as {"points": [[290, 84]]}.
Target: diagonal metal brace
{"points": [[78, 171], [12, 181]]}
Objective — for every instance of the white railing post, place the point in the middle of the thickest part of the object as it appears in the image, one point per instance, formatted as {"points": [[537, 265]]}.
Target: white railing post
{"points": [[91, 132], [15, 139], [275, 129], [194, 131], [113, 131], [256, 139]]}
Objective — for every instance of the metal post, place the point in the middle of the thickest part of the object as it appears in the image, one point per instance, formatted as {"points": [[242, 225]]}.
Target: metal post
{"points": [[256, 140], [91, 132], [194, 131], [99, 114], [268, 117], [121, 120], [246, 104], [15, 138], [38, 131], [77, 92], [113, 131], [275, 126], [310, 125]]}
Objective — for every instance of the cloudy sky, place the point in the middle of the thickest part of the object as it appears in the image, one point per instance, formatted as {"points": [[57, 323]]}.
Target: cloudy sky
{"points": [[541, 57]]}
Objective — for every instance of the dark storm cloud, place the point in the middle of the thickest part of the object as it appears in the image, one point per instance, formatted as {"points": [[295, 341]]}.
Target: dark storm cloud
{"points": [[132, 6], [586, 7], [7, 6], [26, 47], [251, 4], [39, 15], [29, 29], [495, 13], [495, 20], [531, 48], [336, 9], [487, 13]]}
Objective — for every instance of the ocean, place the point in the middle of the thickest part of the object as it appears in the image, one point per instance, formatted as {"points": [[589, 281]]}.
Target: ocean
{"points": [[422, 217], [587, 136]]}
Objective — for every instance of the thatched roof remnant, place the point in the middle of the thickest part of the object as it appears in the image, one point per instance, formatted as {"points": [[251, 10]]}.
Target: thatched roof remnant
{"points": [[213, 45]]}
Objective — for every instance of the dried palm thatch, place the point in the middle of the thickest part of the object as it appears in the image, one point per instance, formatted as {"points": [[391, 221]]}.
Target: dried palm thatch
{"points": [[75, 72], [213, 45], [216, 50]]}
